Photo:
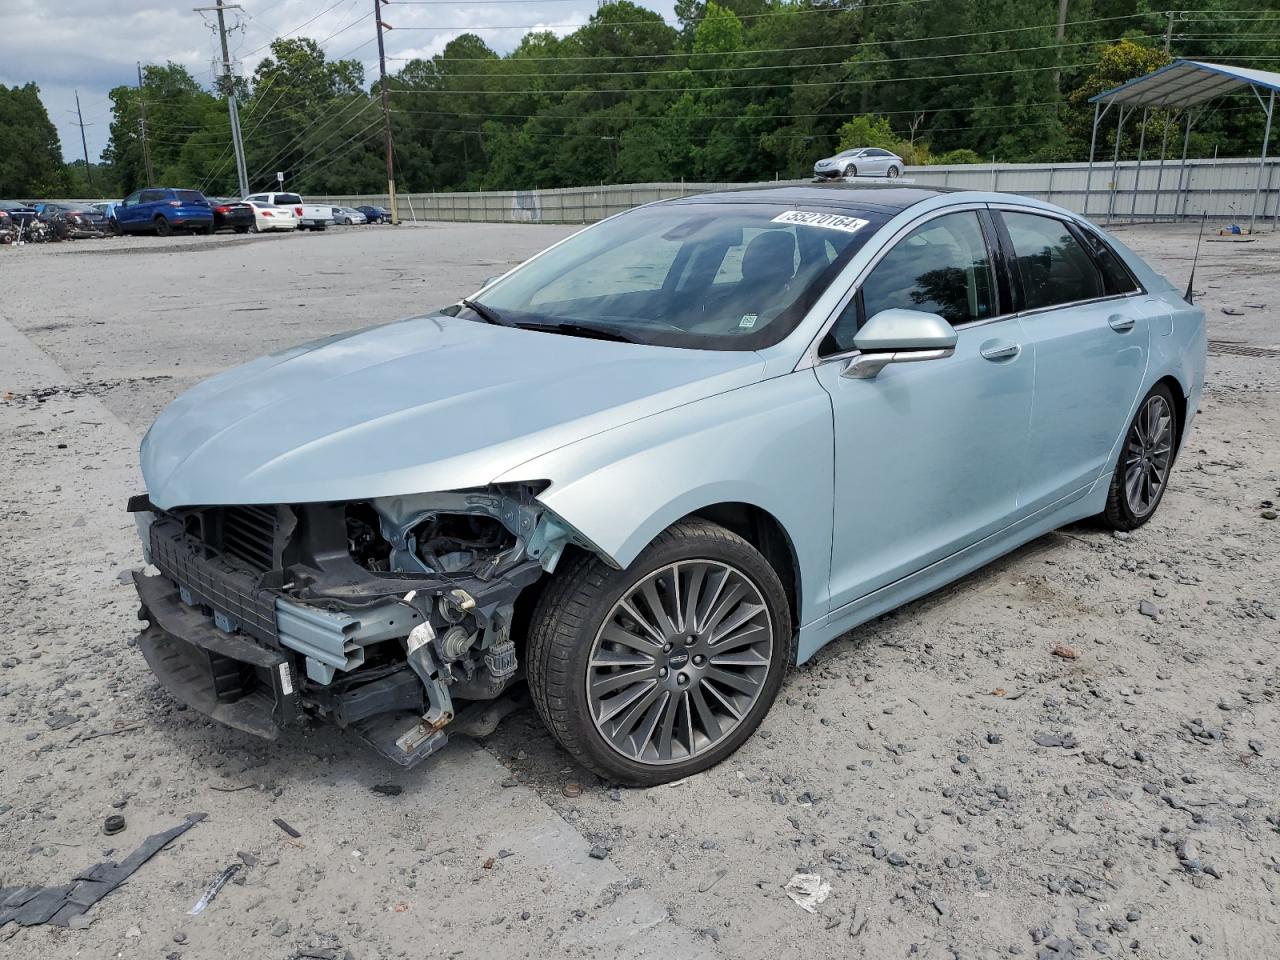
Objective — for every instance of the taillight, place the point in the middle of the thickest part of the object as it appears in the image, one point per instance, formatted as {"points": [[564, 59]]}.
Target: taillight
{"points": [[297, 211], [175, 203], [266, 213], [222, 209]]}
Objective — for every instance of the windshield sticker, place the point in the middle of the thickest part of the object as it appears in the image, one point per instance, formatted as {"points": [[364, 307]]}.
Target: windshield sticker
{"points": [[748, 319], [828, 221]]}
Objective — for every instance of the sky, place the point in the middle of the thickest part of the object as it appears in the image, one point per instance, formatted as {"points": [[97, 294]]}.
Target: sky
{"points": [[104, 39]]}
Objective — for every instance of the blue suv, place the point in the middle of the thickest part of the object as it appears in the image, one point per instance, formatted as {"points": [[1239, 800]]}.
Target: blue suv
{"points": [[163, 210]]}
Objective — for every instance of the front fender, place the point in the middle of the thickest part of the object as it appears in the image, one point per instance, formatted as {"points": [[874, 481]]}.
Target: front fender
{"points": [[768, 444]]}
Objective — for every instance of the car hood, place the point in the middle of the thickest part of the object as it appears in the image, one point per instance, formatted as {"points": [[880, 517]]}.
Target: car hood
{"points": [[432, 403]]}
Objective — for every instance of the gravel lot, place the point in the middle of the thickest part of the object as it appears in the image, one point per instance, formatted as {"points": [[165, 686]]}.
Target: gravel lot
{"points": [[963, 792]]}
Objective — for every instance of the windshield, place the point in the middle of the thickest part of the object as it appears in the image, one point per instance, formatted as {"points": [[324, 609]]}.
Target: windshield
{"points": [[723, 276]]}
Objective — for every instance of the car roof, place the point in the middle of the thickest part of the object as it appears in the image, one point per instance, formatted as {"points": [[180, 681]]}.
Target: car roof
{"points": [[886, 199]]}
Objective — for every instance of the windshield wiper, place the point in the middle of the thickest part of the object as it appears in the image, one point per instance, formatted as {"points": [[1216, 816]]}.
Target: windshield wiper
{"points": [[488, 314], [581, 330]]}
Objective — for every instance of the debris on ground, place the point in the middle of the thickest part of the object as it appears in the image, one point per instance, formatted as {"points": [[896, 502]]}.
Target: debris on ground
{"points": [[808, 890], [29, 906], [219, 882], [286, 828]]}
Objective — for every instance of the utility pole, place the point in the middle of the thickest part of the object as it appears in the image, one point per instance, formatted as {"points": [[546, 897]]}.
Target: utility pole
{"points": [[227, 83], [1061, 36], [1168, 31], [386, 111], [88, 173], [146, 147]]}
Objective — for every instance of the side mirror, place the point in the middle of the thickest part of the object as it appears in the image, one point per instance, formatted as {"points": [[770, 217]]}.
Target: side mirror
{"points": [[899, 336]]}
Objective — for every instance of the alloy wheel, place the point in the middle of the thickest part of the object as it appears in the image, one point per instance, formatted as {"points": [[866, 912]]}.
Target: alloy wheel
{"points": [[679, 661], [1148, 455]]}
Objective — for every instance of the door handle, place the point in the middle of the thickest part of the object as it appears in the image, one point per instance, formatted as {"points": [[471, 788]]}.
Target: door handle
{"points": [[1120, 323], [999, 350]]}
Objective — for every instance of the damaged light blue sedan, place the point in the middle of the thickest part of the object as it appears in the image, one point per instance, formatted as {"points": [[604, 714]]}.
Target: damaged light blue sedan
{"points": [[654, 466]]}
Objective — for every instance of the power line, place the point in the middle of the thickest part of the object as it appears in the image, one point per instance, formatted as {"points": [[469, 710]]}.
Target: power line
{"points": [[753, 86], [752, 51], [281, 154], [543, 27], [779, 66], [295, 29]]}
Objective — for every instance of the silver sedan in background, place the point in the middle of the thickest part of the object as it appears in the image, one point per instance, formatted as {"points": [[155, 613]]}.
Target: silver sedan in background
{"points": [[348, 215], [860, 162]]}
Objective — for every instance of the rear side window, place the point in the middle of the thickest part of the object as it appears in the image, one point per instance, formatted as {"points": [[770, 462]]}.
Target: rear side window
{"points": [[190, 196], [1053, 267], [151, 196], [1115, 275]]}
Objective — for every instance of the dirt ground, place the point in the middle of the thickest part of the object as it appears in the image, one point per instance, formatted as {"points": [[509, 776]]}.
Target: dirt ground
{"points": [[905, 764]]}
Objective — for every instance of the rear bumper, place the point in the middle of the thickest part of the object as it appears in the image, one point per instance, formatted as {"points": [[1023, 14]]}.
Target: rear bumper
{"points": [[226, 676]]}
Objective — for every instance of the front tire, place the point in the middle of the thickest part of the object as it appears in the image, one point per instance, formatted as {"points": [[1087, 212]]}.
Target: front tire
{"points": [[1146, 460], [662, 670], [850, 171]]}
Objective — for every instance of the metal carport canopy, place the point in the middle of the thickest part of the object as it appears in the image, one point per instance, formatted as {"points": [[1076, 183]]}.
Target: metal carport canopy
{"points": [[1185, 83], [1181, 86]]}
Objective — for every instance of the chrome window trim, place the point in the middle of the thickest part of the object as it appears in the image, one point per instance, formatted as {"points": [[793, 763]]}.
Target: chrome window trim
{"points": [[1081, 224], [811, 358]]}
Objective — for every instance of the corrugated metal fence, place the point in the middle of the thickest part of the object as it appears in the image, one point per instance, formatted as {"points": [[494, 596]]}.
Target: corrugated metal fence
{"points": [[1222, 188]]}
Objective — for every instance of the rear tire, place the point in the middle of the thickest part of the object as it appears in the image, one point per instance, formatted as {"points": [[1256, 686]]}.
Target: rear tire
{"points": [[893, 173], [1146, 460], [243, 229], [163, 227], [689, 707]]}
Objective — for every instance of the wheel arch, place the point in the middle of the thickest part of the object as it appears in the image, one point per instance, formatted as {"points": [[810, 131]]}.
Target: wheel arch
{"points": [[765, 532], [1179, 393]]}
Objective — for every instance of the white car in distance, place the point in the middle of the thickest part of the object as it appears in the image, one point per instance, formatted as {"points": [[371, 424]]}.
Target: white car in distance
{"points": [[267, 217]]}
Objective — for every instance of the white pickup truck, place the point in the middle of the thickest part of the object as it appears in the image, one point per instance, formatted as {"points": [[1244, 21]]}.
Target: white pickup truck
{"points": [[310, 216]]}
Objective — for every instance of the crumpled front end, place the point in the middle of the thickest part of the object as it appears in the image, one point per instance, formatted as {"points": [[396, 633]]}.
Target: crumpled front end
{"points": [[375, 615]]}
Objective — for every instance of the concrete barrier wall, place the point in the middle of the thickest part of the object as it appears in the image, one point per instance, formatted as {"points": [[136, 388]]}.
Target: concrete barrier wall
{"points": [[1221, 188]]}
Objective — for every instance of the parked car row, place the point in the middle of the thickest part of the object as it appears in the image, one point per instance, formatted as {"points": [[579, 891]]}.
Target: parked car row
{"points": [[168, 210]]}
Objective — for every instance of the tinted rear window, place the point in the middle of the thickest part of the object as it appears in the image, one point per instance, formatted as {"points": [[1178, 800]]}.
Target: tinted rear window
{"points": [[288, 198], [190, 196]]}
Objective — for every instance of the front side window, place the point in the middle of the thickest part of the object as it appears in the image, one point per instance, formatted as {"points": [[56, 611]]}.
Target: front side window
{"points": [[942, 267], [722, 276], [1054, 268]]}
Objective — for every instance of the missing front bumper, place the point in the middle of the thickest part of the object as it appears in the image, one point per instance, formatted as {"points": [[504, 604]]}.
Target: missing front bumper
{"points": [[225, 676]]}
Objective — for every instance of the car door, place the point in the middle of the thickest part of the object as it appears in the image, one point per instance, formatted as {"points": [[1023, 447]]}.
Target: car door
{"points": [[1091, 350], [927, 455], [875, 162], [149, 204]]}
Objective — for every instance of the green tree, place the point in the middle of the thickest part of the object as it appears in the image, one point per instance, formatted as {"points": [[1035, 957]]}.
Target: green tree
{"points": [[30, 153]]}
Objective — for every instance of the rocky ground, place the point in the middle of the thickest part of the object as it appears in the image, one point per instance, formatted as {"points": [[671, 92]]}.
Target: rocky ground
{"points": [[953, 787]]}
